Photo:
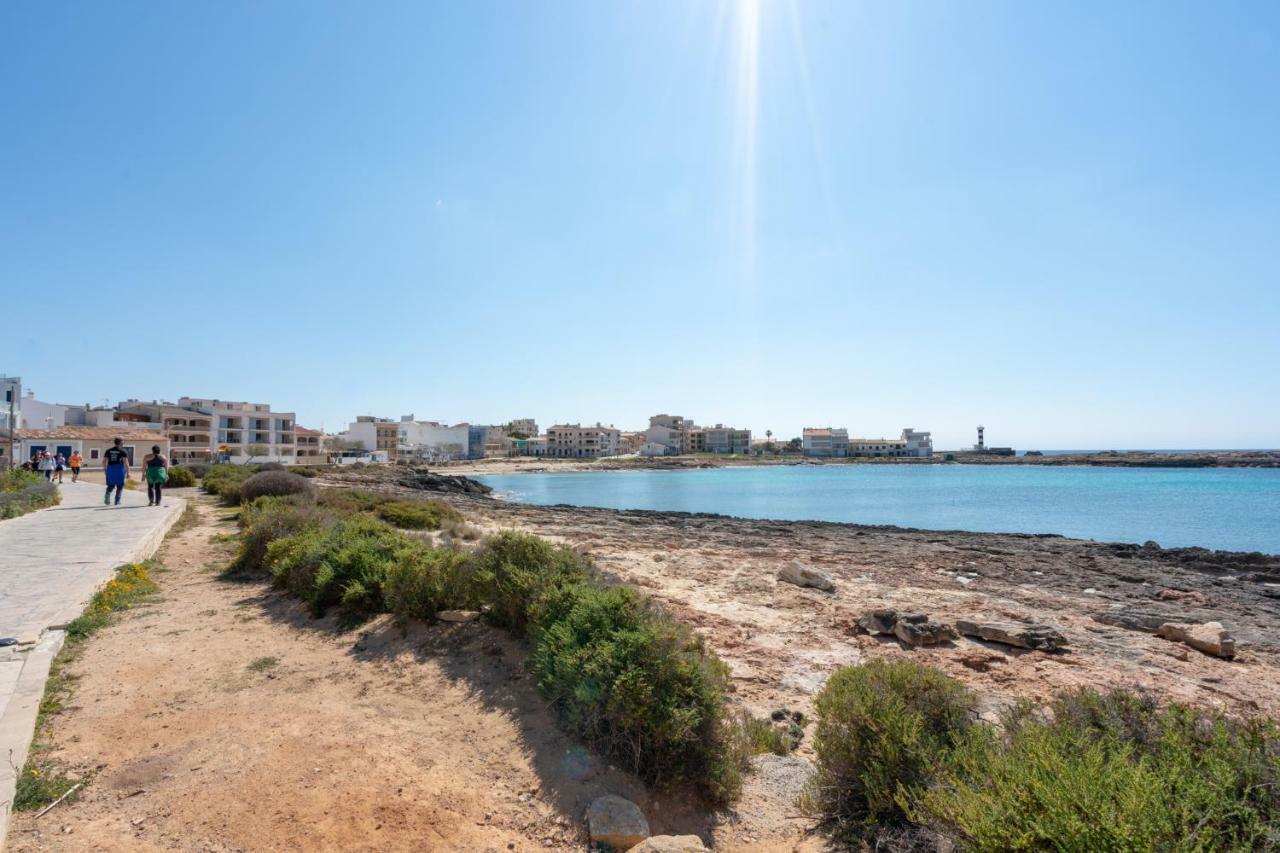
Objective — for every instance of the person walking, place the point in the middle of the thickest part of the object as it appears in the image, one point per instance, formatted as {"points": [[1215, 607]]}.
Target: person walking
{"points": [[75, 462], [115, 462], [157, 471], [46, 465], [59, 465]]}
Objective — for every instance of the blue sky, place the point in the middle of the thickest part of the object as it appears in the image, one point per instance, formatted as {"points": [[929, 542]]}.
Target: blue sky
{"points": [[1062, 221]]}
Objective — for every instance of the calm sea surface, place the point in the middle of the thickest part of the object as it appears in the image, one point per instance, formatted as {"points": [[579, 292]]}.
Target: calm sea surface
{"points": [[1236, 509]]}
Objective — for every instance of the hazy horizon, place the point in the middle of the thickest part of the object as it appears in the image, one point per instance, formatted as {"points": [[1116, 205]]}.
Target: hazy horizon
{"points": [[1057, 222]]}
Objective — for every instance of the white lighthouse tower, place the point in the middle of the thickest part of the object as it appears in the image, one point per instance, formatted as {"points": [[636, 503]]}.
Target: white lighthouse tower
{"points": [[981, 446]]}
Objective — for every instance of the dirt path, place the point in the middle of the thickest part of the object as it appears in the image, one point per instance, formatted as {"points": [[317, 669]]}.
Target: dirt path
{"points": [[223, 717]]}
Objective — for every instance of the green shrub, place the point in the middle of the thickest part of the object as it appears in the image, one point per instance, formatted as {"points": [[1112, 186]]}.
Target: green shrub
{"points": [[518, 571], [346, 563], [276, 484], [304, 471], [267, 519], [269, 466], [426, 581], [347, 501], [1110, 772], [883, 727], [777, 736], [199, 469], [180, 477], [224, 481], [418, 515], [645, 690], [25, 491]]}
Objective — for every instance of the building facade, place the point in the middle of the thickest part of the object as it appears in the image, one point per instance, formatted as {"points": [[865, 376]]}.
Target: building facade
{"points": [[429, 441], [723, 439], [244, 432], [574, 441], [825, 442], [311, 449], [89, 441], [375, 435]]}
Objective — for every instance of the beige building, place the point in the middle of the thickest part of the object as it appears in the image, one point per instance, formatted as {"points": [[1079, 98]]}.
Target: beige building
{"points": [[89, 441], [311, 450], [376, 435], [575, 441], [190, 433], [243, 431]]}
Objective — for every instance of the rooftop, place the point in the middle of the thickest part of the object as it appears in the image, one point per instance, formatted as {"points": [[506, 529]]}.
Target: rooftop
{"points": [[89, 433]]}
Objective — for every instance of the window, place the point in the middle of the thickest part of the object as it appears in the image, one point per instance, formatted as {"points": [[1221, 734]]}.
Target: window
{"points": [[93, 453]]}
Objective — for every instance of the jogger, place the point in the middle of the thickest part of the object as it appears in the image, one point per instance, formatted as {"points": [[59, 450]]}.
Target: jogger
{"points": [[116, 464]]}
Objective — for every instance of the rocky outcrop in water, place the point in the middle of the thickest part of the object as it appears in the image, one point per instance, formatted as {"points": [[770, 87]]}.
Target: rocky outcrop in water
{"points": [[424, 480]]}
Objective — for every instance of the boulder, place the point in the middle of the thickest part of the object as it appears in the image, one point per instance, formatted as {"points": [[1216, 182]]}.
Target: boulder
{"points": [[458, 615], [915, 629], [878, 621], [1041, 637], [799, 574], [1210, 638], [617, 822], [670, 844]]}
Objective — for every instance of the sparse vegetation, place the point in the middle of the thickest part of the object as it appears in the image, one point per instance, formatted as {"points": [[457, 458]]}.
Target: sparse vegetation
{"points": [[898, 757], [263, 664], [25, 491], [41, 781], [620, 672], [224, 481], [180, 477]]}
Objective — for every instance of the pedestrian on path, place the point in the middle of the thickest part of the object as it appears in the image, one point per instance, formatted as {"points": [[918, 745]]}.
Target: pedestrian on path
{"points": [[116, 464], [157, 471], [59, 465], [46, 465], [76, 461]]}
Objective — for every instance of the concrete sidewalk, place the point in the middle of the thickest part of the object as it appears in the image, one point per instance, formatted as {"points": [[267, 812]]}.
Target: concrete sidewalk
{"points": [[51, 563]]}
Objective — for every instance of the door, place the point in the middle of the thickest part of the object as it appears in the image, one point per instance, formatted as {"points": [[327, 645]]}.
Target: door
{"points": [[35, 450], [65, 450]]}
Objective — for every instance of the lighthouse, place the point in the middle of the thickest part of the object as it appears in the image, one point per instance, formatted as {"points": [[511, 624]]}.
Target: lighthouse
{"points": [[980, 447]]}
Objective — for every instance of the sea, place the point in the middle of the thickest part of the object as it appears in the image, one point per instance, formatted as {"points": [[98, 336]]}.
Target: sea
{"points": [[1236, 509]]}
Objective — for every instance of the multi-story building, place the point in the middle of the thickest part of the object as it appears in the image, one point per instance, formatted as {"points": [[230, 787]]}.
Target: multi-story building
{"points": [[525, 427], [673, 432], [91, 442], [825, 441], [723, 439], [919, 444], [376, 435], [576, 441], [311, 449], [247, 431], [430, 441], [190, 432], [911, 444]]}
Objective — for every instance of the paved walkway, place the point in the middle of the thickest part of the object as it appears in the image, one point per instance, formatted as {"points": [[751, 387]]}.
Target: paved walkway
{"points": [[51, 563]]}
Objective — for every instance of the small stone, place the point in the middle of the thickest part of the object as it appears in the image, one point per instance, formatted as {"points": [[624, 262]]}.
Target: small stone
{"points": [[617, 822], [799, 574], [670, 844], [458, 615], [1210, 638]]}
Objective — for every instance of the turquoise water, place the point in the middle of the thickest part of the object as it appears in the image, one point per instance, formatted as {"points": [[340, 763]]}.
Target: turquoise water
{"points": [[1236, 509]]}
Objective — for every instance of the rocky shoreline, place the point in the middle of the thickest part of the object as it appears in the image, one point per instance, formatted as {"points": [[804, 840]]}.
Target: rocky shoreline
{"points": [[1106, 600]]}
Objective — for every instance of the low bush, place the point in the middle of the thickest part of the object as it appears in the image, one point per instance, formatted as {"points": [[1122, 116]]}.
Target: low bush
{"points": [[518, 572], [426, 581], [418, 515], [224, 481], [132, 584], [198, 469], [779, 735], [348, 501], [269, 466], [345, 563], [639, 686], [1110, 772], [883, 727], [180, 477], [267, 519], [23, 494], [304, 471], [275, 484]]}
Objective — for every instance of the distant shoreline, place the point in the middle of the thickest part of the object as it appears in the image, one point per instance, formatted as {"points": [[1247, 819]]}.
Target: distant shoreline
{"points": [[1110, 459]]}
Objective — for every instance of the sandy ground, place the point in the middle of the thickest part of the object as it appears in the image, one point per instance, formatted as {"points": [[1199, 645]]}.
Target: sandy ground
{"points": [[223, 717]]}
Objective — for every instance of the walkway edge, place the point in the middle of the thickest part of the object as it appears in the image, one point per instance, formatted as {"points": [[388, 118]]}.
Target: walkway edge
{"points": [[17, 725]]}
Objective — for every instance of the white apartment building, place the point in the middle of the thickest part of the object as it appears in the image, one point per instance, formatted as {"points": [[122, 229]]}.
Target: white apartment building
{"points": [[576, 441], [375, 435], [247, 431], [919, 444], [910, 444], [673, 432], [723, 439], [431, 441], [825, 441]]}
